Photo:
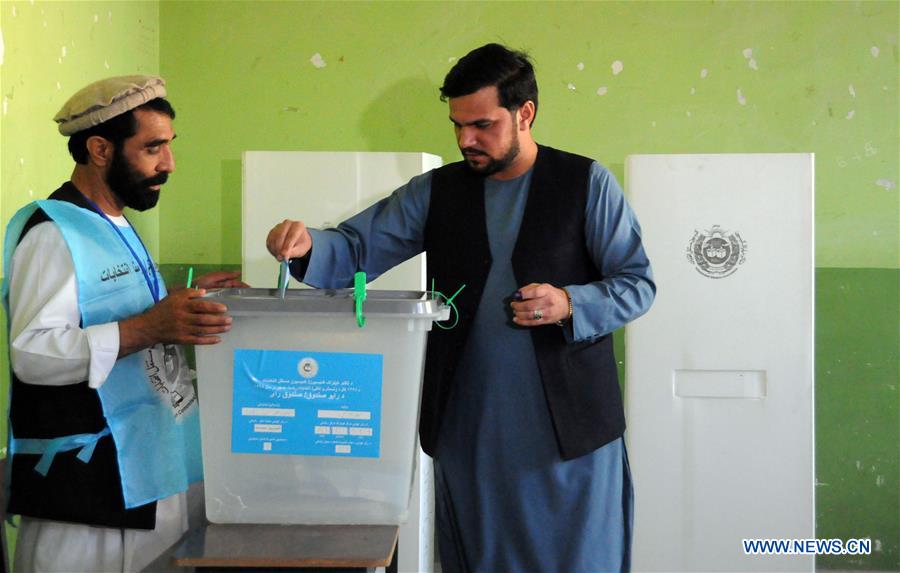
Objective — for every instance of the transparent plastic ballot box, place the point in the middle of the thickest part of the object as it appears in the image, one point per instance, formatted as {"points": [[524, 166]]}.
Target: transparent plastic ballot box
{"points": [[308, 417]]}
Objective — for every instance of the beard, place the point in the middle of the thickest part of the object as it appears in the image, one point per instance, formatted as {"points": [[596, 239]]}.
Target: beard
{"points": [[494, 164], [131, 187]]}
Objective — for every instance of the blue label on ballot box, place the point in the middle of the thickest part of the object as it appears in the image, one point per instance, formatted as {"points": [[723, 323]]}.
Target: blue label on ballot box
{"points": [[306, 403]]}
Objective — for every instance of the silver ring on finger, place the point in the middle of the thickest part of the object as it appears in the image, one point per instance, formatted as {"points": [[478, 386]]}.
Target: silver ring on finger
{"points": [[537, 314]]}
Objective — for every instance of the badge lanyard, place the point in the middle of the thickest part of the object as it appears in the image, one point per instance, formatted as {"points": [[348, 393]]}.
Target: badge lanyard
{"points": [[152, 285]]}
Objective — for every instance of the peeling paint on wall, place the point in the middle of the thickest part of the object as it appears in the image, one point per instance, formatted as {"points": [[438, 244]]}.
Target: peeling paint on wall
{"points": [[601, 91], [571, 86], [851, 113], [740, 97], [751, 61], [617, 67], [874, 51], [852, 91], [318, 61], [887, 184], [580, 66], [703, 73]]}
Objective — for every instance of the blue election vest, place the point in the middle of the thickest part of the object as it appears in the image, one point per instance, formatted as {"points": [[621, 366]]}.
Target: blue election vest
{"points": [[148, 400]]}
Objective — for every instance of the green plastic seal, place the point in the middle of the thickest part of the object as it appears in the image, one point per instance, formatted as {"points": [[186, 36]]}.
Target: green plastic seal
{"points": [[359, 296]]}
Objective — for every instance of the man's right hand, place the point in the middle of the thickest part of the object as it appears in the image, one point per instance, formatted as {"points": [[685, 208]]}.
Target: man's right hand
{"points": [[289, 240], [180, 318]]}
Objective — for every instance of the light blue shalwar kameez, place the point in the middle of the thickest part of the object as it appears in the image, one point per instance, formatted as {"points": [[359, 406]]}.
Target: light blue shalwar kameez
{"points": [[506, 500]]}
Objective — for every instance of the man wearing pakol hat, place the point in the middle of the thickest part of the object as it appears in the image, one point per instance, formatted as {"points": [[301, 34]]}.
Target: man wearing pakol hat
{"points": [[104, 435], [521, 408]]}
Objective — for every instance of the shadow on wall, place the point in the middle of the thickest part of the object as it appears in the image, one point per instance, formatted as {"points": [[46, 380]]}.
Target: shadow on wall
{"points": [[406, 117], [409, 116]]}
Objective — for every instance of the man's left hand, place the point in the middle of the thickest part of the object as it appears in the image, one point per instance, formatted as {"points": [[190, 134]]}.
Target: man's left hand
{"points": [[220, 279], [539, 304]]}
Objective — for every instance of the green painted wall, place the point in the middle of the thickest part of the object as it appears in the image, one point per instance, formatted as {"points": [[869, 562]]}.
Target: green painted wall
{"points": [[858, 413], [826, 81], [52, 49], [820, 77]]}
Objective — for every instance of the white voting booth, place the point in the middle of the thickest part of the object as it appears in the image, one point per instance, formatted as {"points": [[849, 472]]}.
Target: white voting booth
{"points": [[322, 189], [719, 388]]}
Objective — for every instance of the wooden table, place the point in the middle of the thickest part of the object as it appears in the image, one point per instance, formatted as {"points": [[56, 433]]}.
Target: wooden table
{"points": [[332, 548]]}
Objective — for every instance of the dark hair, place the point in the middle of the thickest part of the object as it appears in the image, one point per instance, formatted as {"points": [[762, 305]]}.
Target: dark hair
{"points": [[494, 65], [116, 129]]}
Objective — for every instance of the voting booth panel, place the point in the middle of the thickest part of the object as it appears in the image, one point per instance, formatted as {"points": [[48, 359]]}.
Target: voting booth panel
{"points": [[719, 376], [322, 189]]}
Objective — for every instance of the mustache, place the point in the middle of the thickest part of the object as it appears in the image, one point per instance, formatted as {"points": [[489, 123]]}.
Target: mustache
{"points": [[472, 151], [155, 180]]}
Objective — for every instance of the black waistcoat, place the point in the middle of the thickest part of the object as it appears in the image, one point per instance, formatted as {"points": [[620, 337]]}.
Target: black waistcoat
{"points": [[580, 379], [73, 491]]}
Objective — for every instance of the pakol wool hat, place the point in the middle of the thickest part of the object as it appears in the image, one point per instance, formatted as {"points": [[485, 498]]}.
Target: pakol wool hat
{"points": [[105, 99]]}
